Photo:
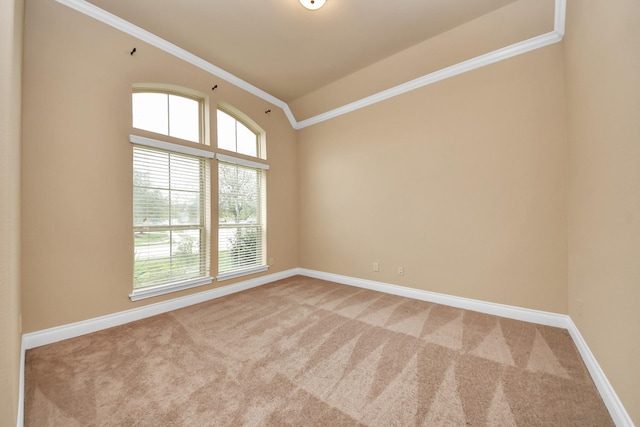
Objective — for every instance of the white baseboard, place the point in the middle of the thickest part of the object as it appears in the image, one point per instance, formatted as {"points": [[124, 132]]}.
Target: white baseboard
{"points": [[610, 398], [511, 312], [20, 417], [72, 330], [608, 394], [617, 411]]}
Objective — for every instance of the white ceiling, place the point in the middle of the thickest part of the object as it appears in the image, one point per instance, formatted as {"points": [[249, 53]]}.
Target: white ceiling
{"points": [[287, 50]]}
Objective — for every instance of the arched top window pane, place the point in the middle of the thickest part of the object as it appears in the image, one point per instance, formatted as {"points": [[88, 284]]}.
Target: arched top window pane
{"points": [[233, 135], [168, 114]]}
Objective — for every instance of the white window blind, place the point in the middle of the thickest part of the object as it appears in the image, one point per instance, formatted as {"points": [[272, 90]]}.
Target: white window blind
{"points": [[170, 235], [242, 218]]}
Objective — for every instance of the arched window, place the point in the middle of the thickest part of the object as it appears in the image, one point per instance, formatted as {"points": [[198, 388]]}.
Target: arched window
{"points": [[169, 114], [241, 197], [170, 194], [234, 135]]}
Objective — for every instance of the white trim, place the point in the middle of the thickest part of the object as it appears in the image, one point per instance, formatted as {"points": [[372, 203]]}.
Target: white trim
{"points": [[20, 416], [243, 162], [155, 291], [59, 333], [617, 411], [48, 336], [168, 146], [560, 17], [525, 46], [118, 23], [445, 73], [239, 273], [509, 311]]}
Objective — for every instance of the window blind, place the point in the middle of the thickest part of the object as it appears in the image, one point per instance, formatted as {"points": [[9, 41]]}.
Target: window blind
{"points": [[241, 217], [169, 217]]}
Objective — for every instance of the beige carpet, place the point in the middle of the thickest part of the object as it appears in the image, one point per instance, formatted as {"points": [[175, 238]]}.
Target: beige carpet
{"points": [[307, 352]]}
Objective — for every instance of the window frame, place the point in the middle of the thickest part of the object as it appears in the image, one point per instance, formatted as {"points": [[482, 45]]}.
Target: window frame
{"points": [[202, 151], [238, 159], [261, 146], [261, 224], [204, 226], [165, 89]]}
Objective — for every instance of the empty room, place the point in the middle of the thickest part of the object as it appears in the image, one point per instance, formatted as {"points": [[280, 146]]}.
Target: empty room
{"points": [[320, 212]]}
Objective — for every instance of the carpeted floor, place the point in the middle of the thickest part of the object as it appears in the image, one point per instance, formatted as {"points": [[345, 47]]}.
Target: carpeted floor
{"points": [[308, 352]]}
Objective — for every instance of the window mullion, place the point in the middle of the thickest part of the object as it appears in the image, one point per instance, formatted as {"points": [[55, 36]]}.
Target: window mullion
{"points": [[235, 135], [168, 115], [169, 177], [159, 228], [170, 185], [170, 156]]}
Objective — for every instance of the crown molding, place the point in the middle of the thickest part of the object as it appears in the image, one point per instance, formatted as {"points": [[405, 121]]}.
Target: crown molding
{"points": [[118, 23], [560, 17], [445, 73], [498, 55]]}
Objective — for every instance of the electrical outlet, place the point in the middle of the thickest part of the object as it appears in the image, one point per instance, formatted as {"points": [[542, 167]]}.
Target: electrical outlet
{"points": [[400, 271], [376, 267], [272, 261]]}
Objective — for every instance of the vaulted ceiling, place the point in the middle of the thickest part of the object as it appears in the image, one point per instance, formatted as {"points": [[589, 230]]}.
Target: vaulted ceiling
{"points": [[287, 50]]}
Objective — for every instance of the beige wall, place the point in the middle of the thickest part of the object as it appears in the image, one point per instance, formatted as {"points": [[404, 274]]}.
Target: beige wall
{"points": [[77, 196], [462, 183], [11, 19], [602, 49], [482, 35]]}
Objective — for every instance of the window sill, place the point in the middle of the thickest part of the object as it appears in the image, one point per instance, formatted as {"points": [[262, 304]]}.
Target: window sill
{"points": [[155, 291], [240, 273]]}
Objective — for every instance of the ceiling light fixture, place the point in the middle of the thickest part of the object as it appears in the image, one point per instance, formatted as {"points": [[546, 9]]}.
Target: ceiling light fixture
{"points": [[313, 4]]}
